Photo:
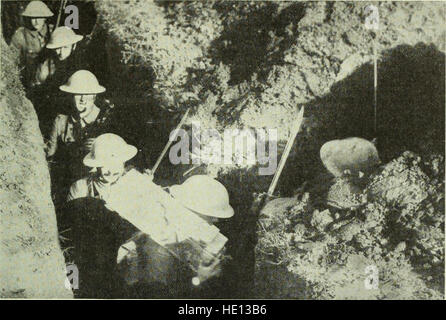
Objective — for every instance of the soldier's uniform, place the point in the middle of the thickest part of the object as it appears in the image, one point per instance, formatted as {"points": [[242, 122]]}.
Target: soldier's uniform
{"points": [[69, 139], [67, 144], [30, 45], [51, 73], [170, 244], [71, 133], [53, 69]]}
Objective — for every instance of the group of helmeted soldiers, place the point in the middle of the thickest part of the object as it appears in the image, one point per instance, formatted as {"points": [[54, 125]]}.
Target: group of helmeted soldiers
{"points": [[127, 236]]}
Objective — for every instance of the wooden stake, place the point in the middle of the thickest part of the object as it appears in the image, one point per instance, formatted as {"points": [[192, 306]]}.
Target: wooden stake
{"points": [[286, 153], [160, 158], [375, 87]]}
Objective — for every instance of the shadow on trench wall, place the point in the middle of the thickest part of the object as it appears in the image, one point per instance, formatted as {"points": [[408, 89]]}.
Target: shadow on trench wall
{"points": [[410, 111], [257, 42]]}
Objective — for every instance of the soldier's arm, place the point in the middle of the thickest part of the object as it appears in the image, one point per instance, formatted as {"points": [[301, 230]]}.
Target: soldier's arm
{"points": [[17, 44], [207, 270], [44, 70], [79, 189], [51, 145], [17, 39]]}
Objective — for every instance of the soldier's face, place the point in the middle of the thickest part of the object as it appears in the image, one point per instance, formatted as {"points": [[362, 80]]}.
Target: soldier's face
{"points": [[84, 104], [38, 23], [64, 52], [111, 172]]}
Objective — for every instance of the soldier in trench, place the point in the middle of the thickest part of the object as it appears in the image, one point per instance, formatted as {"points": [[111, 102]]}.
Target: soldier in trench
{"points": [[208, 199], [30, 40], [104, 209], [60, 61], [62, 58], [72, 134]]}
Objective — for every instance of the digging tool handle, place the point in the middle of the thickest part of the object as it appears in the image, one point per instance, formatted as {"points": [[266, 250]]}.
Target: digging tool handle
{"points": [[248, 235], [261, 199], [286, 152], [375, 87], [172, 139]]}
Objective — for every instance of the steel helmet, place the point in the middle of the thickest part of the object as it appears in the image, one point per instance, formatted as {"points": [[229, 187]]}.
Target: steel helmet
{"points": [[37, 9], [82, 82], [109, 148], [204, 195], [63, 36]]}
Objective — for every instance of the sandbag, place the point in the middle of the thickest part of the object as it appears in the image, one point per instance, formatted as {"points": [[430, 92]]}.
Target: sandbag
{"points": [[352, 154]]}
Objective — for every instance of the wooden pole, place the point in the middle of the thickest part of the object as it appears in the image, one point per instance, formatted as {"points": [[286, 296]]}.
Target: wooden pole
{"points": [[375, 88], [286, 153], [166, 148]]}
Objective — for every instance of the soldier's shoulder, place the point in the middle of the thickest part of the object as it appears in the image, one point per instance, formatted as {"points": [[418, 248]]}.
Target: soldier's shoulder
{"points": [[79, 189], [61, 118], [18, 36], [83, 182], [107, 110], [20, 31]]}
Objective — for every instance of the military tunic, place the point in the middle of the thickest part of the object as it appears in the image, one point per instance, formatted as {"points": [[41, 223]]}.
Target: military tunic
{"points": [[68, 144], [51, 74], [72, 133], [30, 44]]}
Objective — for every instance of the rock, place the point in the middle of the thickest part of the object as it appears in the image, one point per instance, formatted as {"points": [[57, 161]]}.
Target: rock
{"points": [[278, 207], [400, 247], [436, 261], [357, 262], [315, 13], [313, 83], [401, 181], [348, 231], [344, 194], [352, 37], [435, 165], [310, 246], [299, 231], [321, 219]]}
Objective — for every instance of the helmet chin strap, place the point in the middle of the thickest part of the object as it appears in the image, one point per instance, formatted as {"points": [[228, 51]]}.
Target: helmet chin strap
{"points": [[84, 113], [105, 182], [88, 110]]}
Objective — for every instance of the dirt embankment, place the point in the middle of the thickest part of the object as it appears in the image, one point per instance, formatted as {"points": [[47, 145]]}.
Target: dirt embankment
{"points": [[395, 238], [32, 264]]}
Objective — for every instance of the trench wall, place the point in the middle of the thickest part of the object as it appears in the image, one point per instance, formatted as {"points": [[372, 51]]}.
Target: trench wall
{"points": [[31, 261]]}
